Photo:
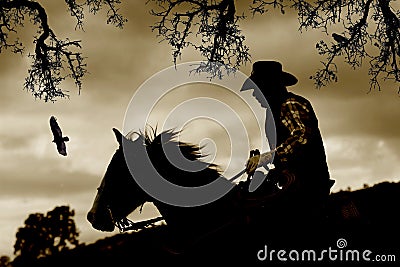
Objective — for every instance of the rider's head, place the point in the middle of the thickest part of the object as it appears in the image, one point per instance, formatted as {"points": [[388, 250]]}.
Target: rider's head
{"points": [[270, 79]]}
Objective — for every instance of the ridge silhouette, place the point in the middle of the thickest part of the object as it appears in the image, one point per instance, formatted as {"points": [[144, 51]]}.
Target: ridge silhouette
{"points": [[376, 229]]}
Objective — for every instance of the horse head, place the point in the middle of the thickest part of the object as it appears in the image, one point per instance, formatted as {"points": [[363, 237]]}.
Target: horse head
{"points": [[118, 194]]}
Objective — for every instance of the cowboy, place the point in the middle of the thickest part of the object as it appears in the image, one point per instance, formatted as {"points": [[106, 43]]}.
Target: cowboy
{"points": [[299, 155]]}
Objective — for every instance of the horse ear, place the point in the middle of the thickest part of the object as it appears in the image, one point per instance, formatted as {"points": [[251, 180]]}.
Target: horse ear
{"points": [[118, 135]]}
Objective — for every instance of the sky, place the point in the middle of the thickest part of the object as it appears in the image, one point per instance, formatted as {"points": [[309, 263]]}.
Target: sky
{"points": [[360, 128]]}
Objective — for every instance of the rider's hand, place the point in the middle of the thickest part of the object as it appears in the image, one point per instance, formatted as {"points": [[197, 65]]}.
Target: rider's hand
{"points": [[252, 164], [259, 160]]}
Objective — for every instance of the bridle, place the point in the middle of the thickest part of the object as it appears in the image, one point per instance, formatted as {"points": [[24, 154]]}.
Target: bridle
{"points": [[125, 224]]}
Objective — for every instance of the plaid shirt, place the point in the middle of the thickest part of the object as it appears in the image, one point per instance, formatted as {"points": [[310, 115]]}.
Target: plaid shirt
{"points": [[295, 112]]}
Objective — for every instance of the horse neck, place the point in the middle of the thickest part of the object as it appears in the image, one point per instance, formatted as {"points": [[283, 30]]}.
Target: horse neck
{"points": [[181, 218], [199, 219]]}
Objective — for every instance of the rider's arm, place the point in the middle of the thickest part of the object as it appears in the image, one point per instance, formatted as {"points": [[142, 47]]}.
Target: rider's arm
{"points": [[294, 116]]}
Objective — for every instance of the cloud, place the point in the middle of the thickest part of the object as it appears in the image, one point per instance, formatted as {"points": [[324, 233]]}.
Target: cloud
{"points": [[372, 115], [48, 182], [8, 142], [353, 162]]}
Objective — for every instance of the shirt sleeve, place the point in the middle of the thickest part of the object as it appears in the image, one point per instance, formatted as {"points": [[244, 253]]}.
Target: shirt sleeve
{"points": [[294, 116]]}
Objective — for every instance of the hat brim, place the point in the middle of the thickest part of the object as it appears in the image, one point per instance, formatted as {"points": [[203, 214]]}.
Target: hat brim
{"points": [[287, 79]]}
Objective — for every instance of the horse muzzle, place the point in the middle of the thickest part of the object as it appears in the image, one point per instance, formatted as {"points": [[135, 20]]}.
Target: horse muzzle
{"points": [[100, 223]]}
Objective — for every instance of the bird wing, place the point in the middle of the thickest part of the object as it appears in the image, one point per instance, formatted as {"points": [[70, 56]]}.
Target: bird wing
{"points": [[61, 148], [58, 138], [55, 128]]}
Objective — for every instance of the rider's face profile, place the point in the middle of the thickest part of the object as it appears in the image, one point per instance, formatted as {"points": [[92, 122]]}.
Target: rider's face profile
{"points": [[260, 97]]}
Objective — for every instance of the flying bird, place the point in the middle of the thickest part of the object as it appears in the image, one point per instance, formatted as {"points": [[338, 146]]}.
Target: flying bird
{"points": [[58, 139], [339, 38]]}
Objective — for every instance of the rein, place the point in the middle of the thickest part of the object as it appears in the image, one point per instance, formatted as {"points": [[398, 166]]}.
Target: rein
{"points": [[125, 224]]}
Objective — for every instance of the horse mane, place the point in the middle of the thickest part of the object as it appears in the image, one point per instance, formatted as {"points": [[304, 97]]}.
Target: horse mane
{"points": [[155, 144]]}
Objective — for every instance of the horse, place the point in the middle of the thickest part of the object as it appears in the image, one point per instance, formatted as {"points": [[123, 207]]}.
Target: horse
{"points": [[228, 220], [119, 194]]}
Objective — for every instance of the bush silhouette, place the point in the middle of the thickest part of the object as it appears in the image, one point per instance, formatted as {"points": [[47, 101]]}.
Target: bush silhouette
{"points": [[45, 235]]}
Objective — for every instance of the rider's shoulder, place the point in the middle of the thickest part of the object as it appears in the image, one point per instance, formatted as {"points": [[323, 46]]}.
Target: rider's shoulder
{"points": [[293, 98]]}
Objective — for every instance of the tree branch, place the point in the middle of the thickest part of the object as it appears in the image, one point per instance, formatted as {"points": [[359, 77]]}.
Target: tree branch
{"points": [[213, 23], [53, 60], [222, 42]]}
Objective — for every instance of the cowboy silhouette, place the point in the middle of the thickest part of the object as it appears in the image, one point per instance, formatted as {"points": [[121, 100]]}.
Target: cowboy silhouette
{"points": [[299, 156]]}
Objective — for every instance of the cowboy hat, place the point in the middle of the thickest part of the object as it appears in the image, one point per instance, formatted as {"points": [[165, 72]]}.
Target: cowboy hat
{"points": [[268, 71]]}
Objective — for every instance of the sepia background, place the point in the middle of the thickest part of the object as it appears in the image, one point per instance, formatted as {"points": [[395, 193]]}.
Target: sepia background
{"points": [[360, 128]]}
